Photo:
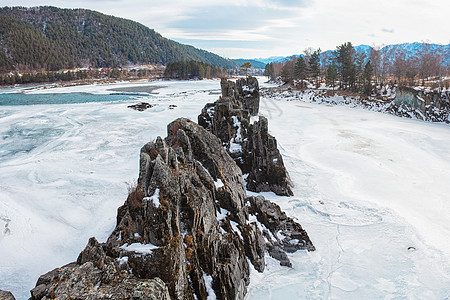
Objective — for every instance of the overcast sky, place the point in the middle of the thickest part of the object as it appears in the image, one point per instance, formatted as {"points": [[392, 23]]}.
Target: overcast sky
{"points": [[263, 28]]}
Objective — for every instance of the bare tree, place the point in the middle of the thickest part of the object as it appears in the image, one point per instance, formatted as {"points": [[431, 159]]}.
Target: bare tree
{"points": [[287, 72], [399, 66], [277, 66], [410, 70], [307, 52], [360, 59], [430, 62], [387, 64], [324, 58]]}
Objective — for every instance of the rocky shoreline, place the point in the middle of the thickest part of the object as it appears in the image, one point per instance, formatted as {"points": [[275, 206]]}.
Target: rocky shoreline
{"points": [[188, 229], [429, 110]]}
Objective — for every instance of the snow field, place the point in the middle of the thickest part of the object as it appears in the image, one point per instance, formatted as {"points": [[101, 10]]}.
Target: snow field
{"points": [[372, 192]]}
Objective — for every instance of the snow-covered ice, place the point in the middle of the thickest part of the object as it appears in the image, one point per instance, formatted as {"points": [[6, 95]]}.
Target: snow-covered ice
{"points": [[370, 189], [222, 215], [372, 192], [154, 198], [218, 183], [123, 260], [209, 289], [139, 248]]}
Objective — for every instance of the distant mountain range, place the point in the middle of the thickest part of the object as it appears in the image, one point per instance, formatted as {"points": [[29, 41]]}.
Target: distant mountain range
{"points": [[414, 50], [389, 51], [272, 59], [51, 38]]}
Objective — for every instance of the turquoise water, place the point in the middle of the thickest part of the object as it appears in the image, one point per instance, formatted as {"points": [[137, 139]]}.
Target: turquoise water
{"points": [[62, 98]]}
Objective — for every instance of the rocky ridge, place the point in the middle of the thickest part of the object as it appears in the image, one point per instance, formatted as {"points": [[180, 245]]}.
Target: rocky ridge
{"points": [[233, 119], [186, 231]]}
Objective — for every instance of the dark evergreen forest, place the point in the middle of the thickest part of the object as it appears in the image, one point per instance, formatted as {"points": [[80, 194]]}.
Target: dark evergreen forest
{"points": [[50, 38], [193, 70]]}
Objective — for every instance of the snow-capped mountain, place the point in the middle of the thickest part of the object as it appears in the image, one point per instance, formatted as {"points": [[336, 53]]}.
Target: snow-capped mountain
{"points": [[415, 49], [408, 49], [271, 59]]}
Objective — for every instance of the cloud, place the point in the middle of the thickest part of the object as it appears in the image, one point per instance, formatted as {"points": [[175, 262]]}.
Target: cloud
{"points": [[227, 27], [292, 3], [229, 43], [226, 17], [263, 28], [391, 30]]}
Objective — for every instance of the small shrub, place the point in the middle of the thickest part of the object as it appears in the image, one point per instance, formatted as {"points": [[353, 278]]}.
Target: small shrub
{"points": [[135, 195]]}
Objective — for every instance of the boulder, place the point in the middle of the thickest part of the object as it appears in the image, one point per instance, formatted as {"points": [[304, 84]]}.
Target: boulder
{"points": [[86, 281], [285, 233], [6, 295]]}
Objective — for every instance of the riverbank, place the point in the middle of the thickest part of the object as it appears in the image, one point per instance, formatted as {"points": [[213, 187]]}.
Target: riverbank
{"points": [[406, 103]]}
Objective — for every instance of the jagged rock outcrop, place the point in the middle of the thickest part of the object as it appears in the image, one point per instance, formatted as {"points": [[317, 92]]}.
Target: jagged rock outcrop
{"points": [[247, 139], [246, 91], [186, 231], [282, 233]]}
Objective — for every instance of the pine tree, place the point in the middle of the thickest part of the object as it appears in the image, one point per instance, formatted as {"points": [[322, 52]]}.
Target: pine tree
{"points": [[245, 67], [314, 66], [367, 76], [344, 56], [192, 69], [269, 72], [300, 70], [332, 74]]}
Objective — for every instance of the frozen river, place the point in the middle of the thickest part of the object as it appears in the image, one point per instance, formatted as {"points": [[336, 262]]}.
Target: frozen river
{"points": [[368, 186], [373, 192]]}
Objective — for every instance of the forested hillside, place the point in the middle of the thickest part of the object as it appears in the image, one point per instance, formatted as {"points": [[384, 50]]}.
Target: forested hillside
{"points": [[50, 38], [255, 64]]}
